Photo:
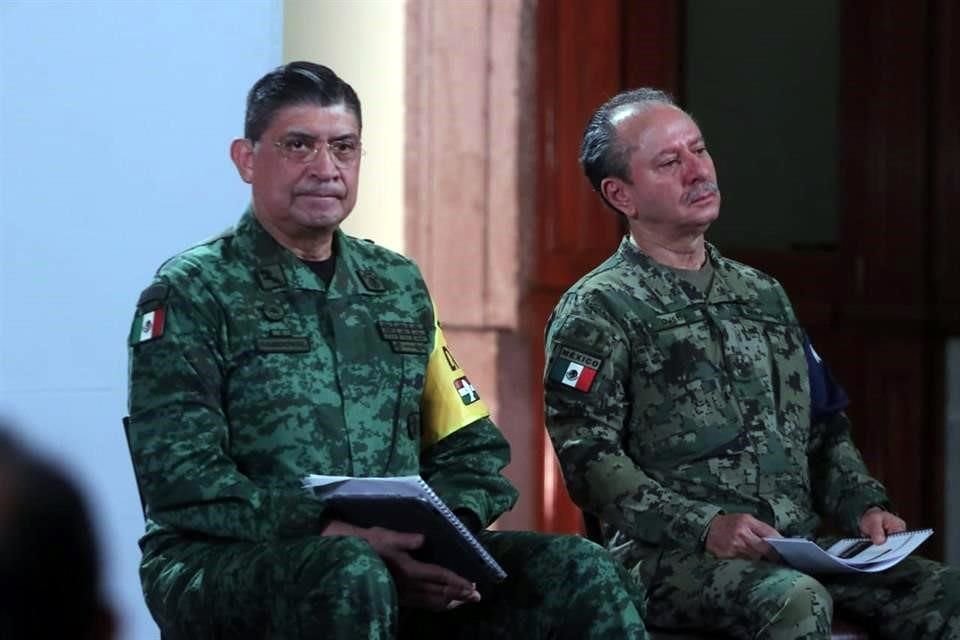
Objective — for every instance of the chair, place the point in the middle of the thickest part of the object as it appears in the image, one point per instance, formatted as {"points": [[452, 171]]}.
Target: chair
{"points": [[842, 630]]}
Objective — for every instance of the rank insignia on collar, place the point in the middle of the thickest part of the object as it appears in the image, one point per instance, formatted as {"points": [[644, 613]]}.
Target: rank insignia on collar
{"points": [[270, 277], [371, 280]]}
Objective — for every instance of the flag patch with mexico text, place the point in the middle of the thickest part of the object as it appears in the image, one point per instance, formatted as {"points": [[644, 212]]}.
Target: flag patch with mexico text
{"points": [[574, 368]]}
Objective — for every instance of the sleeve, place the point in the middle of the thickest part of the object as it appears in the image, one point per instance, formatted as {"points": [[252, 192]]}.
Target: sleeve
{"points": [[587, 422], [463, 453], [842, 486], [179, 435]]}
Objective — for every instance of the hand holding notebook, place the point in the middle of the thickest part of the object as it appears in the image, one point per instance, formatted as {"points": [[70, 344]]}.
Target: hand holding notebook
{"points": [[848, 555], [408, 504]]}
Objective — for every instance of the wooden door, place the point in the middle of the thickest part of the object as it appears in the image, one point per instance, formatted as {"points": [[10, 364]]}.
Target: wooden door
{"points": [[587, 51]]}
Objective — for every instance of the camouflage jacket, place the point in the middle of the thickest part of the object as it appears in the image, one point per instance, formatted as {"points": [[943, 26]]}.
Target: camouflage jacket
{"points": [[246, 374], [667, 407]]}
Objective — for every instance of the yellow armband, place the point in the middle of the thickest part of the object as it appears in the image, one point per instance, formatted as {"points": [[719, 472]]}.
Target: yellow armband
{"points": [[449, 401]]}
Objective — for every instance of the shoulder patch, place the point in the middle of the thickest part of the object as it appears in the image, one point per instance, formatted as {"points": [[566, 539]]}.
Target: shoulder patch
{"points": [[153, 295], [573, 368], [151, 324]]}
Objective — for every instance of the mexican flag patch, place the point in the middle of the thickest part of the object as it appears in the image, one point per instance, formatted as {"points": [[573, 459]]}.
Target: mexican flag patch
{"points": [[151, 325], [574, 368], [468, 393]]}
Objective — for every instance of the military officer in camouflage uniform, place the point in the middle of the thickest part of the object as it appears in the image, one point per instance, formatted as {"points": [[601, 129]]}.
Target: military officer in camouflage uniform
{"points": [[284, 347], [690, 413]]}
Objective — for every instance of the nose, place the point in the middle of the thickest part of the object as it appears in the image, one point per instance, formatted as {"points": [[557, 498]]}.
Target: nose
{"points": [[696, 167], [322, 164]]}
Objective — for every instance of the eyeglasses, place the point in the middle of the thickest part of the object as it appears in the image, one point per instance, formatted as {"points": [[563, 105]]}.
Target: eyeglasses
{"points": [[344, 152]]}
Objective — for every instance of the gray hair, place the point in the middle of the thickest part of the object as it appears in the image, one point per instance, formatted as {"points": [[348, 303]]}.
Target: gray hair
{"points": [[602, 155]]}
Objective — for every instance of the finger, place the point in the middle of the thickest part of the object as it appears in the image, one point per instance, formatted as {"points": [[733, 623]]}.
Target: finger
{"points": [[763, 530], [453, 604], [425, 572], [755, 546], [432, 596], [894, 524], [873, 529], [400, 540]]}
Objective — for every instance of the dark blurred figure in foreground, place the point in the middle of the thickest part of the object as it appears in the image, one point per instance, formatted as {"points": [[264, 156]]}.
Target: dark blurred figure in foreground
{"points": [[50, 583]]}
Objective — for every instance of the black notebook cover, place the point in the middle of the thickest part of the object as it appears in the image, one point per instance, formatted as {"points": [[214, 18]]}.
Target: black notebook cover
{"points": [[412, 508]]}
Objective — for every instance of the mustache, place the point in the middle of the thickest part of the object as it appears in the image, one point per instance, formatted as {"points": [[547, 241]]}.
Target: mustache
{"points": [[707, 187]]}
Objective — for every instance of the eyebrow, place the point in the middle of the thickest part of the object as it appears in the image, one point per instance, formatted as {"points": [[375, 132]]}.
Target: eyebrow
{"points": [[299, 133], [673, 148]]}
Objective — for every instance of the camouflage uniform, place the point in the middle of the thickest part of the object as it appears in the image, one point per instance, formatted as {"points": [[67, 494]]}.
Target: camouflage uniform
{"points": [[246, 373], [668, 406]]}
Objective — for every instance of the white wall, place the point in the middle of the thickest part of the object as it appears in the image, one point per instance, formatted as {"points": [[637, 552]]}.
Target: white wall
{"points": [[363, 42], [115, 119]]}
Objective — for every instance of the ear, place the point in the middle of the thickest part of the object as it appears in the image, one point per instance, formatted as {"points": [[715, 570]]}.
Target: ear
{"points": [[615, 191], [241, 152]]}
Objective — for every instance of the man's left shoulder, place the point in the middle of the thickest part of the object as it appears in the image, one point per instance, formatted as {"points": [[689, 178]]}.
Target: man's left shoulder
{"points": [[375, 256], [752, 275]]}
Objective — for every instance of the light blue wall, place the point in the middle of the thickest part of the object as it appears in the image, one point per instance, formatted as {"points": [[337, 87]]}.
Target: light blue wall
{"points": [[115, 117]]}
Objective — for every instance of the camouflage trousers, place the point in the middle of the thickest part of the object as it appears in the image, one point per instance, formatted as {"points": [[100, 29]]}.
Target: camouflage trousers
{"points": [[559, 587], [917, 598]]}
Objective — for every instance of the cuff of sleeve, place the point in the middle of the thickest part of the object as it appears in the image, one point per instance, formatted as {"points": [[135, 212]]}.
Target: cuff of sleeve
{"points": [[298, 515], [854, 508], [690, 527]]}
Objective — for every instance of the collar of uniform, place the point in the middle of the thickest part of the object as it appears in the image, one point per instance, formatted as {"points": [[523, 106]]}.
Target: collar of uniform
{"points": [[277, 267], [728, 284], [657, 280], [729, 281]]}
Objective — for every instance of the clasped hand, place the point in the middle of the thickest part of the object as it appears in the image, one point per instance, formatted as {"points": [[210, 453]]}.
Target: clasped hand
{"points": [[419, 584]]}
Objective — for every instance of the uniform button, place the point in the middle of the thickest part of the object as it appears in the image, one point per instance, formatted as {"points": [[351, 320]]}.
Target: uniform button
{"points": [[273, 312]]}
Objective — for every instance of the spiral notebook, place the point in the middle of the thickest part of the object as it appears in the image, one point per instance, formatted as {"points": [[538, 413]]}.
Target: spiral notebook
{"points": [[408, 504], [848, 555]]}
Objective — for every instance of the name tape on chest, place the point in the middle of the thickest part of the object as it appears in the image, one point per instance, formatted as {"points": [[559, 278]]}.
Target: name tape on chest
{"points": [[404, 337]]}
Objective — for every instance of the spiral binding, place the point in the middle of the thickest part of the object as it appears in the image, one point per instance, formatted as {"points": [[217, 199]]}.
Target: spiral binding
{"points": [[445, 511]]}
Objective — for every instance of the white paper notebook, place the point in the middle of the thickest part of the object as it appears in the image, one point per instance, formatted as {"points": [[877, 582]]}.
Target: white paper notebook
{"points": [[849, 555]]}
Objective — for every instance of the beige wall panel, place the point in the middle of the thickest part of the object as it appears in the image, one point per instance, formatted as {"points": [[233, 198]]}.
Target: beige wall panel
{"points": [[470, 190], [457, 193], [510, 185], [363, 41]]}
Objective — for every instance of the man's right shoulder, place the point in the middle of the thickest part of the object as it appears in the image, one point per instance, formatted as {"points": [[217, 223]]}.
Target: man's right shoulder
{"points": [[201, 259], [602, 285]]}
